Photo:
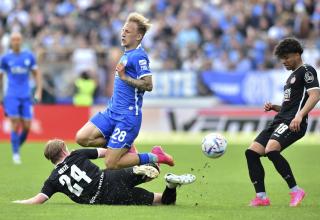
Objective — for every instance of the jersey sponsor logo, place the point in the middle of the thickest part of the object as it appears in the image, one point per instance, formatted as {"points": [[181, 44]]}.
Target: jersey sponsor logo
{"points": [[308, 77], [18, 70], [287, 94], [93, 199], [293, 79]]}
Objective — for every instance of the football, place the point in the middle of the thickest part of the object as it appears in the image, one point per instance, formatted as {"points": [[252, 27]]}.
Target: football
{"points": [[214, 145]]}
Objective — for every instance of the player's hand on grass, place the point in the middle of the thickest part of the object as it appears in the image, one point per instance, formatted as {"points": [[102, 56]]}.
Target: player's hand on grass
{"points": [[18, 201], [267, 106], [295, 123], [120, 68]]}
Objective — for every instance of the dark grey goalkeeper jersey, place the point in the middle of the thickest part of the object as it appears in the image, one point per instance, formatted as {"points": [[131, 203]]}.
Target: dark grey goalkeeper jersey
{"points": [[297, 85], [77, 177]]}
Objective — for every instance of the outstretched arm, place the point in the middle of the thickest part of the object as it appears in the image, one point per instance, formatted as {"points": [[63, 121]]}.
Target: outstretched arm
{"points": [[145, 83], [38, 199]]}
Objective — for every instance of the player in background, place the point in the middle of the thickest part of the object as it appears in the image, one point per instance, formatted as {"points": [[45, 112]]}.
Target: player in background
{"points": [[117, 126], [17, 64], [83, 182], [301, 94]]}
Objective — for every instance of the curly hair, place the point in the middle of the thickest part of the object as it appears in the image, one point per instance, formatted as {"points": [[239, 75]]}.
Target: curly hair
{"points": [[287, 46]]}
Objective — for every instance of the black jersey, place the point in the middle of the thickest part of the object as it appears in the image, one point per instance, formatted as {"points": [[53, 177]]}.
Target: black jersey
{"points": [[299, 82], [77, 177]]}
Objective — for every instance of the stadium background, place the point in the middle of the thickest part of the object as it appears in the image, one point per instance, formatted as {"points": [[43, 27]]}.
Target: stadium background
{"points": [[204, 55], [213, 69]]}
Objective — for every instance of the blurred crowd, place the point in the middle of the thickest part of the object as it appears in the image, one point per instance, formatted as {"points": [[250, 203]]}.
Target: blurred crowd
{"points": [[70, 37]]}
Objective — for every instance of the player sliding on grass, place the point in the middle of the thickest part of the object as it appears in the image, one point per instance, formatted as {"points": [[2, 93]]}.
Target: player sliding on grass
{"points": [[83, 182], [301, 94], [117, 127]]}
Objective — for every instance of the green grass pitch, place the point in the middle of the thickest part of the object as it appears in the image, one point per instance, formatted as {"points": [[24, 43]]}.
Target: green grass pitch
{"points": [[222, 189]]}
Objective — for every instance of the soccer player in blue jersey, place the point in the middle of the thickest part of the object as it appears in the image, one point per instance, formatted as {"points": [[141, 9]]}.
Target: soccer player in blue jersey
{"points": [[117, 126], [17, 64]]}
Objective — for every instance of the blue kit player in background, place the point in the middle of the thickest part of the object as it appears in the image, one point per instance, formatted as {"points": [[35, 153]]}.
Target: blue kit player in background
{"points": [[17, 64], [117, 126]]}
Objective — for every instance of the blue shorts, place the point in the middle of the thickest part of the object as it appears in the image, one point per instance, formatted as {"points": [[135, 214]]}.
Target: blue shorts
{"points": [[18, 107], [119, 130]]}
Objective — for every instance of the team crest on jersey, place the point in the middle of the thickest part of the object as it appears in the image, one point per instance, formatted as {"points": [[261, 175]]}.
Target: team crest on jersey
{"points": [[27, 62], [308, 77], [287, 94], [293, 79]]}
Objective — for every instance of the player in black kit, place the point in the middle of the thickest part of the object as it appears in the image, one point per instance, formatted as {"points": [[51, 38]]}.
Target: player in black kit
{"points": [[83, 182], [301, 94]]}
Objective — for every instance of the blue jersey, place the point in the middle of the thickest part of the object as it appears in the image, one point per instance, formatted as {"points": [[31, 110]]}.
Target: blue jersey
{"points": [[18, 66], [127, 99]]}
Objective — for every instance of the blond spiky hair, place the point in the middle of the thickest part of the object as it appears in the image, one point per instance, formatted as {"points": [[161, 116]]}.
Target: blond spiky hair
{"points": [[142, 22]]}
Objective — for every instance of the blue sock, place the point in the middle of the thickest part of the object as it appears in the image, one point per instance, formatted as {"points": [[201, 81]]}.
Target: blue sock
{"points": [[15, 140], [153, 158], [147, 158], [144, 158], [23, 136]]}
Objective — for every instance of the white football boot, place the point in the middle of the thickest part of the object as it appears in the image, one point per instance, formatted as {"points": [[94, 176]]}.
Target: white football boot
{"points": [[146, 170], [174, 180]]}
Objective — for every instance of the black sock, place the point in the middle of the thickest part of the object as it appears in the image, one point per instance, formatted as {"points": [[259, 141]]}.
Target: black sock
{"points": [[283, 167], [256, 171], [169, 196]]}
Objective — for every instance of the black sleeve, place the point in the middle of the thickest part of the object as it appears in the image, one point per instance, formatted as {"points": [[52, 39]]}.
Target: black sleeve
{"points": [[310, 78], [87, 153], [48, 188]]}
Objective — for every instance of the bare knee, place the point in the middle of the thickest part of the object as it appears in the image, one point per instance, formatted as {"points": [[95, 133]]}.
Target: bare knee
{"points": [[26, 124], [258, 148], [272, 145], [81, 139], [15, 122]]}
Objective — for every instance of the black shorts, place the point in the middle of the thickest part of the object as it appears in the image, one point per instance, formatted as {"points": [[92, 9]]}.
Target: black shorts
{"points": [[120, 189], [280, 132]]}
